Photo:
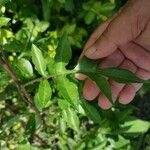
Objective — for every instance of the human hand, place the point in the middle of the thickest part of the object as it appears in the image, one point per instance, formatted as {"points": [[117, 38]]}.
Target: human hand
{"points": [[122, 41]]}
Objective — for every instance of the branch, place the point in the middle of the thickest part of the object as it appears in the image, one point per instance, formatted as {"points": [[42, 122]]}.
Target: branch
{"points": [[51, 76], [22, 90]]}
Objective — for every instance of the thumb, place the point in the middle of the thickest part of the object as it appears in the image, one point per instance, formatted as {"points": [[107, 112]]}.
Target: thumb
{"points": [[120, 31]]}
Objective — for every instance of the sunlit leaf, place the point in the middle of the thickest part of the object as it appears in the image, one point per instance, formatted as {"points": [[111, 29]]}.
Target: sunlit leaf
{"points": [[43, 95], [71, 118], [4, 21], [38, 60], [25, 67], [135, 126]]}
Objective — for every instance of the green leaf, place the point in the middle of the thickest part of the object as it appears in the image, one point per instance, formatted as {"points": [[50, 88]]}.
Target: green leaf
{"points": [[89, 18], [42, 26], [38, 60], [4, 21], [14, 46], [4, 79], [91, 111], [32, 124], [69, 5], [102, 83], [90, 69], [24, 147], [71, 118], [43, 95], [68, 90], [121, 142], [3, 2], [25, 67], [107, 7], [63, 51], [121, 75], [136, 126], [11, 122]]}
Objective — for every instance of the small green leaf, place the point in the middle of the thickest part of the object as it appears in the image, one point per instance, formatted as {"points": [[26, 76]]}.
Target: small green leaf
{"points": [[38, 60], [63, 51], [32, 124], [121, 75], [11, 122], [91, 111], [42, 26], [4, 21], [136, 126], [107, 7], [89, 18], [25, 68], [68, 90], [71, 118], [43, 95]]}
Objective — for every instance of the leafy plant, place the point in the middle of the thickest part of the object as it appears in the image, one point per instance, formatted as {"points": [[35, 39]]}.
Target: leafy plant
{"points": [[41, 102]]}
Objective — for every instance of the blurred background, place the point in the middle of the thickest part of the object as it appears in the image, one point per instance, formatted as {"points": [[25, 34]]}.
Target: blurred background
{"points": [[43, 22]]}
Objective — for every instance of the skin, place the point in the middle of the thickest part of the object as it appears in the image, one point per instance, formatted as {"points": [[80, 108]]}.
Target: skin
{"points": [[122, 41]]}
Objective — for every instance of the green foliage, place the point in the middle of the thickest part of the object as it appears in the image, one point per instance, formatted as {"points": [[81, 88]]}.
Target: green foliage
{"points": [[25, 68], [43, 95], [42, 41], [38, 60]]}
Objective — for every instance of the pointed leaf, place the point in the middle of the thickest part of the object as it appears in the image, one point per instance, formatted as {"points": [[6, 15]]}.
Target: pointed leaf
{"points": [[38, 60], [43, 95], [91, 111], [32, 124], [121, 75], [63, 51], [136, 126]]}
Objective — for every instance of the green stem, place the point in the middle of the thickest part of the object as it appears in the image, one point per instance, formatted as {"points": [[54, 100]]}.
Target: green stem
{"points": [[51, 76]]}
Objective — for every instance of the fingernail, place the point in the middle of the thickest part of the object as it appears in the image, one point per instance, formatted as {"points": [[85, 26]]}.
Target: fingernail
{"points": [[90, 51]]}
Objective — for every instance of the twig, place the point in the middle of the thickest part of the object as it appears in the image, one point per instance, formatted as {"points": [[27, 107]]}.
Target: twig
{"points": [[51, 76], [22, 90], [34, 81]]}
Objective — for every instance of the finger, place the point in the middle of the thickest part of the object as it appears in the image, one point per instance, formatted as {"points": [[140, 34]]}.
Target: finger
{"points": [[90, 90], [129, 91], [143, 75], [80, 76], [144, 38], [137, 54], [120, 31], [103, 102], [95, 35], [113, 60]]}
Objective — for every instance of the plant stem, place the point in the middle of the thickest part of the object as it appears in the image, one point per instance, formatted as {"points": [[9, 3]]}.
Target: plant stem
{"points": [[22, 90], [51, 76]]}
